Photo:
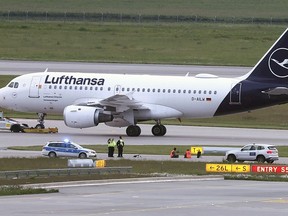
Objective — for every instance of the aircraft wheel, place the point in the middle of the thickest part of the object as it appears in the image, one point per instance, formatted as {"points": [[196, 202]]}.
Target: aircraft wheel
{"points": [[133, 130], [163, 129], [159, 130], [40, 126]]}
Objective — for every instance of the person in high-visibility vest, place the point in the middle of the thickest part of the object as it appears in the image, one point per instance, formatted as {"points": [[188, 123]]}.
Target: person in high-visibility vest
{"points": [[120, 146], [187, 154], [174, 153], [111, 146]]}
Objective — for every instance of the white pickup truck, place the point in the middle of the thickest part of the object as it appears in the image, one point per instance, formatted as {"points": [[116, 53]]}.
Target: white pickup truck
{"points": [[11, 124]]}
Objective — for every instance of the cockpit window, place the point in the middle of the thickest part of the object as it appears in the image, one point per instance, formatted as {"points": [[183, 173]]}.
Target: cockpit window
{"points": [[11, 85]]}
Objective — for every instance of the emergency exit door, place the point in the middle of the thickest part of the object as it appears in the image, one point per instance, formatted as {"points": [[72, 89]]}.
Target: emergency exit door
{"points": [[235, 93]]}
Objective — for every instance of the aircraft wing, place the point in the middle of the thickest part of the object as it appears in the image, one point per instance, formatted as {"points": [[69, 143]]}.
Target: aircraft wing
{"points": [[122, 102], [276, 91], [116, 103]]}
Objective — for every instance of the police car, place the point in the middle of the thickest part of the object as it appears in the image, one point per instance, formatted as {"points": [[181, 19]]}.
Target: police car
{"points": [[66, 149], [253, 152]]}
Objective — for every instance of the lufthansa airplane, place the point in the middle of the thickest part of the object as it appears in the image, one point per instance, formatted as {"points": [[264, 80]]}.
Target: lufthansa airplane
{"points": [[124, 100]]}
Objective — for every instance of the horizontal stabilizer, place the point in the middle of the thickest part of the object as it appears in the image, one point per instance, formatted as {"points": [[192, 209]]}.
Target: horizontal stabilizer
{"points": [[276, 91]]}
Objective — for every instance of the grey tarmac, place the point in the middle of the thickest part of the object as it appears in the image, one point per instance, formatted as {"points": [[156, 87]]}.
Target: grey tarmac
{"points": [[166, 196]]}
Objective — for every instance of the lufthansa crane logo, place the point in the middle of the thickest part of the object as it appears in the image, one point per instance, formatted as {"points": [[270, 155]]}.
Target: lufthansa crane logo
{"points": [[278, 63]]}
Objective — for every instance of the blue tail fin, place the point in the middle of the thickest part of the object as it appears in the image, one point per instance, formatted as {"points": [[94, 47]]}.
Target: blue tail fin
{"points": [[274, 64]]}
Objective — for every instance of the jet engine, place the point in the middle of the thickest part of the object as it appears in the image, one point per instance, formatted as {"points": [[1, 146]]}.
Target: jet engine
{"points": [[84, 116]]}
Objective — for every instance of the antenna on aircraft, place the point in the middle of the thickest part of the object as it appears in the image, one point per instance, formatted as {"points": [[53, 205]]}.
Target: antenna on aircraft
{"points": [[46, 70], [187, 74]]}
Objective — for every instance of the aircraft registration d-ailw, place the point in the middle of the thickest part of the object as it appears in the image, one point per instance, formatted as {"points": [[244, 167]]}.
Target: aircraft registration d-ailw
{"points": [[119, 100]]}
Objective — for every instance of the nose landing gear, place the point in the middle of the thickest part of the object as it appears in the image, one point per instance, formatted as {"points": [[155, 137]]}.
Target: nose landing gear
{"points": [[41, 117]]}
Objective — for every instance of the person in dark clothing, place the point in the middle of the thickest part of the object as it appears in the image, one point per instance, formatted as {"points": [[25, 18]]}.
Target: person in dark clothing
{"points": [[120, 146]]}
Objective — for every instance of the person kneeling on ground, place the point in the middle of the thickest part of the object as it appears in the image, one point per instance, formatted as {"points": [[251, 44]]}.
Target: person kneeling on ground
{"points": [[187, 154], [174, 153]]}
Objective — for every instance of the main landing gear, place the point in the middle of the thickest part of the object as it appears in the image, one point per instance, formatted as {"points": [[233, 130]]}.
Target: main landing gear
{"points": [[133, 130], [41, 117], [157, 130]]}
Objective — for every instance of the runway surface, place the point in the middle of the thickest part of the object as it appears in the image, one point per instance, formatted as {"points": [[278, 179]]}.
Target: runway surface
{"points": [[176, 135], [23, 67], [179, 196]]}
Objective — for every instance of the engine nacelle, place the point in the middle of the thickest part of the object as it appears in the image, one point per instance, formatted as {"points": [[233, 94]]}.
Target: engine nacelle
{"points": [[84, 116]]}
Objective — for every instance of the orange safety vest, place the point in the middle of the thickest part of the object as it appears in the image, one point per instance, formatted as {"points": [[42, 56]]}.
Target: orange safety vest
{"points": [[172, 153], [187, 154]]}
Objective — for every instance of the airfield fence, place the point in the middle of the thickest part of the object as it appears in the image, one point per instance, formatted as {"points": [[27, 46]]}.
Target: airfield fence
{"points": [[130, 18]]}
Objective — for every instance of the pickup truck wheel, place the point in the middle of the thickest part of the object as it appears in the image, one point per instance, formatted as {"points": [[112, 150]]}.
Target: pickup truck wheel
{"points": [[15, 128], [231, 158]]}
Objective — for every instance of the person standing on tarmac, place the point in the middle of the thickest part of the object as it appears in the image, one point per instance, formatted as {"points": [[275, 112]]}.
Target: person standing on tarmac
{"points": [[111, 146], [120, 146]]}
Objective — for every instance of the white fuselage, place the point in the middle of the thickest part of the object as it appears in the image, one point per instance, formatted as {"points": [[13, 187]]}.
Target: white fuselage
{"points": [[192, 97]]}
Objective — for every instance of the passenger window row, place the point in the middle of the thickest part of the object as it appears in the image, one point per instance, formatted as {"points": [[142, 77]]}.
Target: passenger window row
{"points": [[117, 89]]}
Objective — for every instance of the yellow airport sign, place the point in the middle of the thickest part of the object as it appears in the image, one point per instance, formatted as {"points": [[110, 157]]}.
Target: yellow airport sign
{"points": [[221, 168], [240, 168], [100, 163], [196, 149], [225, 168]]}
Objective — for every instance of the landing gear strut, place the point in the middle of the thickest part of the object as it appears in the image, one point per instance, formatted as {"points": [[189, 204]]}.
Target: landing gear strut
{"points": [[133, 130], [41, 117]]}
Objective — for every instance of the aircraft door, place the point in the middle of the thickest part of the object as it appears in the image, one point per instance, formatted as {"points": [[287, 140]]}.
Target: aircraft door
{"points": [[235, 93], [34, 87]]}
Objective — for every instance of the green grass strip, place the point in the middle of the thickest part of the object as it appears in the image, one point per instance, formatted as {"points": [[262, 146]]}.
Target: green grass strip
{"points": [[20, 190]]}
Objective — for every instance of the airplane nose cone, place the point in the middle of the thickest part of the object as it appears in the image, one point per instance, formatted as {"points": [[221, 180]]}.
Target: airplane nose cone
{"points": [[2, 98]]}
